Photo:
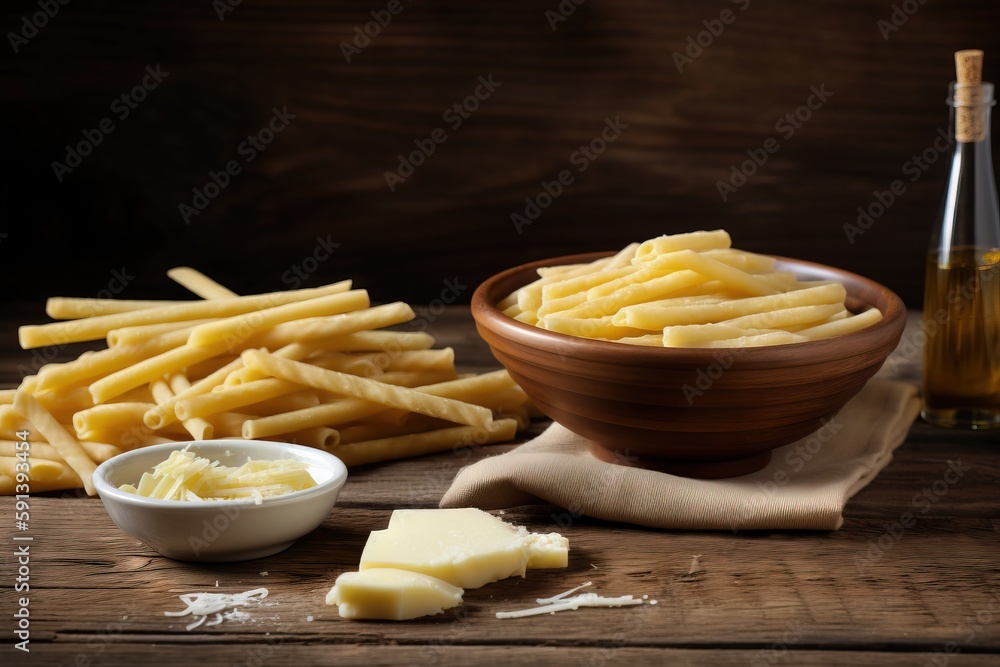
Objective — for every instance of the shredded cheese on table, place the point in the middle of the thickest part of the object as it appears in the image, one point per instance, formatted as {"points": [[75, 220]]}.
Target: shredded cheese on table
{"points": [[562, 602], [203, 605]]}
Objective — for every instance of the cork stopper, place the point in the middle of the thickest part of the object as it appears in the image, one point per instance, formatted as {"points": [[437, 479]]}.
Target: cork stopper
{"points": [[969, 66], [970, 112]]}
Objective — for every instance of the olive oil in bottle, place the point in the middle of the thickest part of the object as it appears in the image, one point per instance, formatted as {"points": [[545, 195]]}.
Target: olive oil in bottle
{"points": [[961, 371], [962, 326]]}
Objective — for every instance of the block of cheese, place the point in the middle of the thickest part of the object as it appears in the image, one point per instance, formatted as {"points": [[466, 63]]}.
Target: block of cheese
{"points": [[465, 547], [545, 550], [391, 594]]}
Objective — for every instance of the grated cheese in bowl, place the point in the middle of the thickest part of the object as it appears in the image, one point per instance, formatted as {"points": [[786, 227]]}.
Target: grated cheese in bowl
{"points": [[186, 476]]}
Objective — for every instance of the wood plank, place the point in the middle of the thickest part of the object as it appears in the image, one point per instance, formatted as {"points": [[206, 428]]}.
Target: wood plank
{"points": [[281, 651], [933, 578]]}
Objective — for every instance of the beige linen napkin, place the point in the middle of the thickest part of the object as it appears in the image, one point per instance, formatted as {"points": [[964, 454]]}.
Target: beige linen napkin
{"points": [[805, 486]]}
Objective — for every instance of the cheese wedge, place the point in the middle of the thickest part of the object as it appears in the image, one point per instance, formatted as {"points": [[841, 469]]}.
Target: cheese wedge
{"points": [[465, 547], [391, 594]]}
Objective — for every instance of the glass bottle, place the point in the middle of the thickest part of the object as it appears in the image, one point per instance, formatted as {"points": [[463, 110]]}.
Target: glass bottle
{"points": [[961, 370]]}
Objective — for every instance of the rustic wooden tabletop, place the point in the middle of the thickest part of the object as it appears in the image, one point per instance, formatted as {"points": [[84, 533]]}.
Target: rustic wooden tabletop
{"points": [[873, 592]]}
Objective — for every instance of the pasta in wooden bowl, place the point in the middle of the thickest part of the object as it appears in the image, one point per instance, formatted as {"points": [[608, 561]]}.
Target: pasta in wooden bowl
{"points": [[587, 345]]}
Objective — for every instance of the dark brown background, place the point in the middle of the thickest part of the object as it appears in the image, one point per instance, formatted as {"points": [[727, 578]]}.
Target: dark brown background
{"points": [[324, 174]]}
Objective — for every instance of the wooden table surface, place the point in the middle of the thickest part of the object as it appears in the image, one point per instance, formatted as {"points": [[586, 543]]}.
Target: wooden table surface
{"points": [[868, 593]]}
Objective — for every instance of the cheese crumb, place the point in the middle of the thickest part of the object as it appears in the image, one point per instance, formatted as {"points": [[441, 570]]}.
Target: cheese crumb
{"points": [[236, 615]]}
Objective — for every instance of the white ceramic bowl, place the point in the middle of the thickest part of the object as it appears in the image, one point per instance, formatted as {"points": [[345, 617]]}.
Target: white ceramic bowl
{"points": [[220, 530]]}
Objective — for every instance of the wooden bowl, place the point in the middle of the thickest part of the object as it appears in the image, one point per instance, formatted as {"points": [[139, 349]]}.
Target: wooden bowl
{"points": [[696, 412]]}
